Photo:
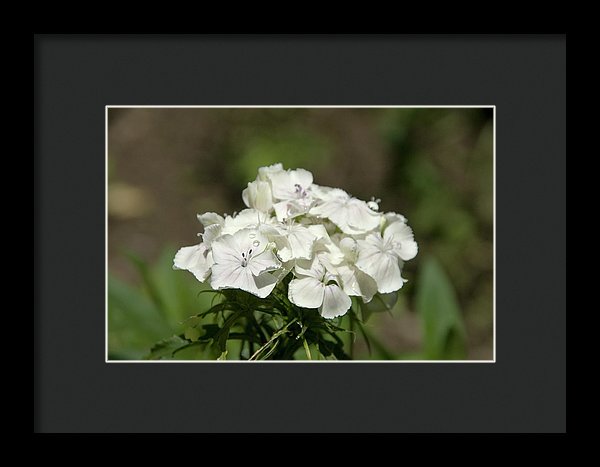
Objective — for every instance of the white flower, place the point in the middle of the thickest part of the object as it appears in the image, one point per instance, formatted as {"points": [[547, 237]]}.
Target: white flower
{"points": [[353, 216], [402, 238], [354, 281], [293, 190], [258, 196], [291, 184], [248, 218], [300, 241], [213, 223], [381, 256], [256, 248], [244, 261], [315, 287], [197, 259]]}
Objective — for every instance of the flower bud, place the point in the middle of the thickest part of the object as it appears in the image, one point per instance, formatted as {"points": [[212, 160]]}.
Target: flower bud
{"points": [[258, 196]]}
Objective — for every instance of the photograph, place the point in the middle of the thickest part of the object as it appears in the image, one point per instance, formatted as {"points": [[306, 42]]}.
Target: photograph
{"points": [[314, 234]]}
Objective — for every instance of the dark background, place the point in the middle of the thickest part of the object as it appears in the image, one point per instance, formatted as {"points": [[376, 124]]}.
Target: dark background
{"points": [[76, 77]]}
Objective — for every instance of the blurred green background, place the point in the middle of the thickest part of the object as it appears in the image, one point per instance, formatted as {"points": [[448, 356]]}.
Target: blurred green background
{"points": [[435, 166]]}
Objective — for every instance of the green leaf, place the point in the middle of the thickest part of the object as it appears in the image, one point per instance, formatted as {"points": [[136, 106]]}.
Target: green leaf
{"points": [[443, 327], [166, 347], [379, 303], [134, 322], [222, 334], [149, 282], [192, 333]]}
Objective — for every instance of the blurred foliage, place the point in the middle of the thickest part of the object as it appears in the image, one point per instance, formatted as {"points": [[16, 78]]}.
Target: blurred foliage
{"points": [[435, 166], [139, 316], [443, 328]]}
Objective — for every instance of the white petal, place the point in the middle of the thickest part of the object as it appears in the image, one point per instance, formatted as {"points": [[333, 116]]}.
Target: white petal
{"points": [[306, 292], [351, 215], [194, 259], [319, 231], [310, 268], [301, 177], [403, 238], [335, 302], [248, 195], [264, 284], [265, 261], [282, 186], [283, 271], [349, 248], [360, 218], [301, 241], [284, 210], [244, 219], [357, 283], [320, 192], [290, 209], [285, 184], [327, 193], [250, 239], [210, 218], [381, 266], [258, 195], [366, 285], [391, 217], [211, 232], [265, 173], [328, 208], [225, 250], [225, 276]]}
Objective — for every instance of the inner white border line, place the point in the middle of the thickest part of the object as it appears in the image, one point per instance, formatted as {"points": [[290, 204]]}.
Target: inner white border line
{"points": [[240, 362]]}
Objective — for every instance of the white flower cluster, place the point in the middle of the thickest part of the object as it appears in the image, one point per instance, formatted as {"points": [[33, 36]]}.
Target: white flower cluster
{"points": [[336, 246]]}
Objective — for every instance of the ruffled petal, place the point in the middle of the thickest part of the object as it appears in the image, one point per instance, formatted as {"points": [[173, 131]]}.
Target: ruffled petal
{"points": [[301, 177], [301, 241], [226, 251], [194, 259], [403, 240], [383, 267], [264, 284], [210, 218], [357, 283], [210, 233], [310, 268], [265, 173], [224, 276], [335, 302], [306, 292], [248, 218], [265, 261]]}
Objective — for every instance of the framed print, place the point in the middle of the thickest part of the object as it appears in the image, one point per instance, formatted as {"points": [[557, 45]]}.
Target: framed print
{"points": [[438, 159]]}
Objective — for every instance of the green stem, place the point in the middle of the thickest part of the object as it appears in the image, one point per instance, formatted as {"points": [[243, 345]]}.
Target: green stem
{"points": [[306, 349], [351, 334], [273, 338]]}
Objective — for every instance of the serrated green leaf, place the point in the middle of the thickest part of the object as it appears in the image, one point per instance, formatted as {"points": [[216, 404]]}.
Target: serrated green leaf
{"points": [[192, 333], [166, 347], [436, 303]]}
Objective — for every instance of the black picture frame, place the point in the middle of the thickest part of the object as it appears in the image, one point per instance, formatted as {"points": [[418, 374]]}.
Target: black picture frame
{"points": [[76, 76]]}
